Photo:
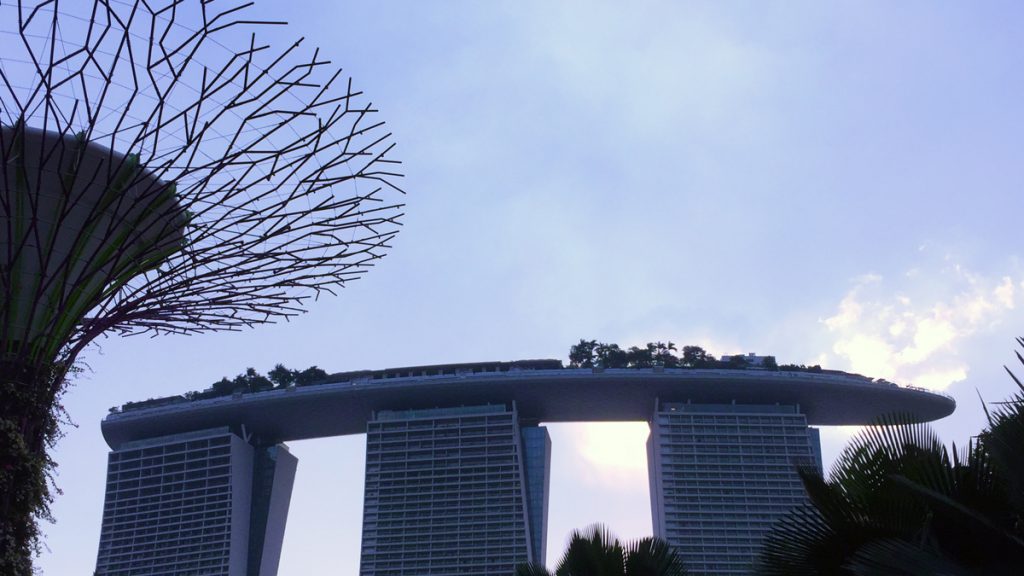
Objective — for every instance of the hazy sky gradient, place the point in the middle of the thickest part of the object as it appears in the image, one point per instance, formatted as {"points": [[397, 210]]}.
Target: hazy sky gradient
{"points": [[834, 183]]}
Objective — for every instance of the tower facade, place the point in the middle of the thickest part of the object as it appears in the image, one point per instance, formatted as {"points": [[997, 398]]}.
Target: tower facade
{"points": [[200, 503], [454, 491], [721, 474]]}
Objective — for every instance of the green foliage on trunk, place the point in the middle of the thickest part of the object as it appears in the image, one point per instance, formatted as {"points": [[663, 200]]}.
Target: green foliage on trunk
{"points": [[30, 415]]}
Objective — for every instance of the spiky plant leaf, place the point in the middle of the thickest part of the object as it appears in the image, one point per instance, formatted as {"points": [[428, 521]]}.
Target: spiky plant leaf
{"points": [[652, 557], [1004, 439], [592, 552], [966, 528], [803, 543], [859, 503], [894, 557]]}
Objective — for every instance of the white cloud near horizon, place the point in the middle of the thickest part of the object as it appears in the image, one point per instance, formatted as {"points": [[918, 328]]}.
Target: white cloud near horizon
{"points": [[912, 329]]}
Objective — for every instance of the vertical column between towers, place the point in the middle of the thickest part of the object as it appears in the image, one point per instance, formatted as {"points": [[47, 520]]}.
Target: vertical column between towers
{"points": [[537, 461]]}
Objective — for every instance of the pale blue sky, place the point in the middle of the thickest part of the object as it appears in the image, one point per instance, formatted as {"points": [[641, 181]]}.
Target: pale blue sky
{"points": [[827, 182]]}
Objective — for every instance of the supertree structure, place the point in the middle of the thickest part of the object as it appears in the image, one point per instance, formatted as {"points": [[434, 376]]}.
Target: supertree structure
{"points": [[162, 171]]}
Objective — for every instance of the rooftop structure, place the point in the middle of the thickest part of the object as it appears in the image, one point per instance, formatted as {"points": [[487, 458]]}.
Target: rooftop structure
{"points": [[542, 390], [458, 445]]}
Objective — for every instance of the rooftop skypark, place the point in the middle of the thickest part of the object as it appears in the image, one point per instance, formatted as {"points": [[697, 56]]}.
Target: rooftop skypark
{"points": [[585, 355]]}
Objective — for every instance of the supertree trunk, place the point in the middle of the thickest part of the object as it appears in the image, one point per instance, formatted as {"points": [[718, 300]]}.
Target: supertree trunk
{"points": [[29, 417]]}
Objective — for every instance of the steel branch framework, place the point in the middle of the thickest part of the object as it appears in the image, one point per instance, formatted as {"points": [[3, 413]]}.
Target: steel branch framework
{"points": [[162, 171], [155, 180]]}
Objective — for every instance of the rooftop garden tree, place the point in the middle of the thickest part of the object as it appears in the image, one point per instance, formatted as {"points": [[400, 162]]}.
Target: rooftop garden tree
{"points": [[696, 357], [663, 354], [582, 355], [252, 381]]}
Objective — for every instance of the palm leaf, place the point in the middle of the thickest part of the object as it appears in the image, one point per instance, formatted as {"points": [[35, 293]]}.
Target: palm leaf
{"points": [[652, 557], [966, 524], [894, 557], [859, 504], [803, 543], [1004, 439], [593, 552]]}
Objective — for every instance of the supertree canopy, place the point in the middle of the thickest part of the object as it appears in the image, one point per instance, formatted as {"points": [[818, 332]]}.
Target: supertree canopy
{"points": [[162, 171]]}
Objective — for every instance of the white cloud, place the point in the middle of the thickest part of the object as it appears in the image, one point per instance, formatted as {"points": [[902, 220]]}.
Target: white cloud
{"points": [[897, 327], [912, 332], [867, 353], [939, 379], [1004, 293]]}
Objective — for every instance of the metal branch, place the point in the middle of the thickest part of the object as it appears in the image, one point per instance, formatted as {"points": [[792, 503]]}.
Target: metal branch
{"points": [[154, 181]]}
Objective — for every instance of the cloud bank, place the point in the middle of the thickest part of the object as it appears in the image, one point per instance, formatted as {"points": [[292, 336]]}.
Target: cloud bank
{"points": [[912, 329]]}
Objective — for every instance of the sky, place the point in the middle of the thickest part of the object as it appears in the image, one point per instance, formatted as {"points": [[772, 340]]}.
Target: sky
{"points": [[834, 183]]}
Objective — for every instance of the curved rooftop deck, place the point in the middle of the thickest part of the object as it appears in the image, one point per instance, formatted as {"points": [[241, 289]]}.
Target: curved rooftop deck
{"points": [[343, 407]]}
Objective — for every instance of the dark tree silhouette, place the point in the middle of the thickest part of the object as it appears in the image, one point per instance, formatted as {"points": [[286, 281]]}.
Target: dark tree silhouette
{"points": [[663, 354], [640, 357], [281, 376], [611, 356], [582, 355], [696, 357]]}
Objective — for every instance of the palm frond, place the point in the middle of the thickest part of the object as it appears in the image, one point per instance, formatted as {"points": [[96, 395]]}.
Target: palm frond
{"points": [[652, 557], [592, 552], [803, 543], [963, 530], [895, 557], [862, 476], [1004, 439]]}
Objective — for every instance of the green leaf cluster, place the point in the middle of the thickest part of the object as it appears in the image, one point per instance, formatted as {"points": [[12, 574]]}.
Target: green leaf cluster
{"points": [[594, 354], [252, 381]]}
